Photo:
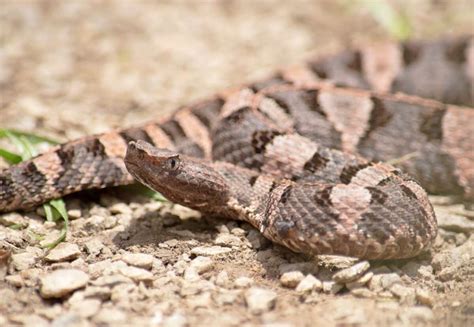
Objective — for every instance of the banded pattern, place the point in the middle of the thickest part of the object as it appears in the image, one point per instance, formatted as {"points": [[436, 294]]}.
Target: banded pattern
{"points": [[306, 134]]}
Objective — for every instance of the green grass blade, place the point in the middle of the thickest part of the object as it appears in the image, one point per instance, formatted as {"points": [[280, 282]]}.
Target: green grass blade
{"points": [[10, 157], [395, 22], [58, 209], [34, 139]]}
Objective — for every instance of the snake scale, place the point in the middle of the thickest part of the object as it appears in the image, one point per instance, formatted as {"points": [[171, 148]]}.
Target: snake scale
{"points": [[300, 155]]}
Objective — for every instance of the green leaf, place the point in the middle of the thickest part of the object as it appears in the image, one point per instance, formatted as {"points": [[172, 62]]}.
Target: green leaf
{"points": [[33, 138], [10, 157]]}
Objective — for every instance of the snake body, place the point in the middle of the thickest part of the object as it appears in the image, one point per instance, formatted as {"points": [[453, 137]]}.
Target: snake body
{"points": [[299, 155]]}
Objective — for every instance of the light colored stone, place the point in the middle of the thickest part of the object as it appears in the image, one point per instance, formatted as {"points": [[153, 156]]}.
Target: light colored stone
{"points": [[332, 287], [86, 308], [387, 280], [111, 316], [228, 240], [222, 279], [137, 274], [291, 279], [308, 284], [62, 282], [140, 260], [260, 300], [23, 261], [243, 282], [257, 240], [203, 300], [175, 320], [202, 264], [210, 251], [63, 252], [337, 261], [454, 223], [360, 282], [416, 315], [424, 297], [94, 247], [15, 280], [362, 292], [405, 294], [352, 273], [304, 267], [226, 297]]}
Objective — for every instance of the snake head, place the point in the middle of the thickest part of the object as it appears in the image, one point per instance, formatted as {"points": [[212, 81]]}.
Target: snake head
{"points": [[182, 179]]}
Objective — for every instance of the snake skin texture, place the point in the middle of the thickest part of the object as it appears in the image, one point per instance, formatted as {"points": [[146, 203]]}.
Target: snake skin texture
{"points": [[309, 144]]}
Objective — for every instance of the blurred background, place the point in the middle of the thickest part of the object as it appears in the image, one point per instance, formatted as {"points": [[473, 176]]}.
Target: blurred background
{"points": [[70, 68]]}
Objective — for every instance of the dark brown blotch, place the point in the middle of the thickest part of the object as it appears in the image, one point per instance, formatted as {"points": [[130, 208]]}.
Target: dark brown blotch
{"points": [[379, 116], [135, 134], [317, 162], [286, 194], [323, 197], [408, 192], [260, 139], [348, 172], [432, 125], [377, 196]]}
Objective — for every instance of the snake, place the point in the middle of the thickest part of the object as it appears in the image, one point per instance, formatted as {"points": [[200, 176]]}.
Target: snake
{"points": [[332, 156]]}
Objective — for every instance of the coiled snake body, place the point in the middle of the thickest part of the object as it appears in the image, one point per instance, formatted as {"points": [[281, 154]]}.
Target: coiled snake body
{"points": [[299, 155]]}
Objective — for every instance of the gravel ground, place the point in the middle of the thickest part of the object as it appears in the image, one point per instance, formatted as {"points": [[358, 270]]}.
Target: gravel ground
{"points": [[72, 68]]}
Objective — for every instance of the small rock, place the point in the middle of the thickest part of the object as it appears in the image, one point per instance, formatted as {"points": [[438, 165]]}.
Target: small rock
{"points": [[14, 219], [424, 297], [191, 275], [351, 274], [140, 260], [227, 240], [86, 308], [23, 261], [405, 294], [120, 207], [361, 282], [362, 292], [136, 274], [304, 267], [336, 261], [226, 297], [210, 251], [15, 280], [110, 316], [308, 284], [98, 292], [291, 279], [332, 287], [237, 231], [175, 320], [243, 282], [62, 282], [63, 252], [387, 280], [202, 264], [94, 246], [454, 223], [74, 213], [222, 279], [260, 300], [200, 301], [257, 240]]}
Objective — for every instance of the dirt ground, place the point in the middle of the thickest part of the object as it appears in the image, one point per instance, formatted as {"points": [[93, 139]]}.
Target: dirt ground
{"points": [[72, 68]]}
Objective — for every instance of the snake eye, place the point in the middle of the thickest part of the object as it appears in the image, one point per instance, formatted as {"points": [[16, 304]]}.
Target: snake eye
{"points": [[173, 163]]}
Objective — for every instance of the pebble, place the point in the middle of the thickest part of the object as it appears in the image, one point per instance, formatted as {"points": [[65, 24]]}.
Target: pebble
{"points": [[222, 279], [94, 247], [202, 264], [405, 294], [415, 269], [454, 223], [226, 297], [23, 261], [86, 308], [15, 280], [175, 320], [14, 218], [308, 284], [332, 287], [228, 240], [136, 274], [63, 252], [243, 282], [120, 207], [237, 231], [351, 274], [203, 300], [140, 260], [110, 316], [362, 292], [453, 259], [360, 282], [291, 279], [424, 297], [111, 280], [383, 281], [257, 240], [260, 300], [304, 267], [337, 261], [62, 282], [210, 251]]}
